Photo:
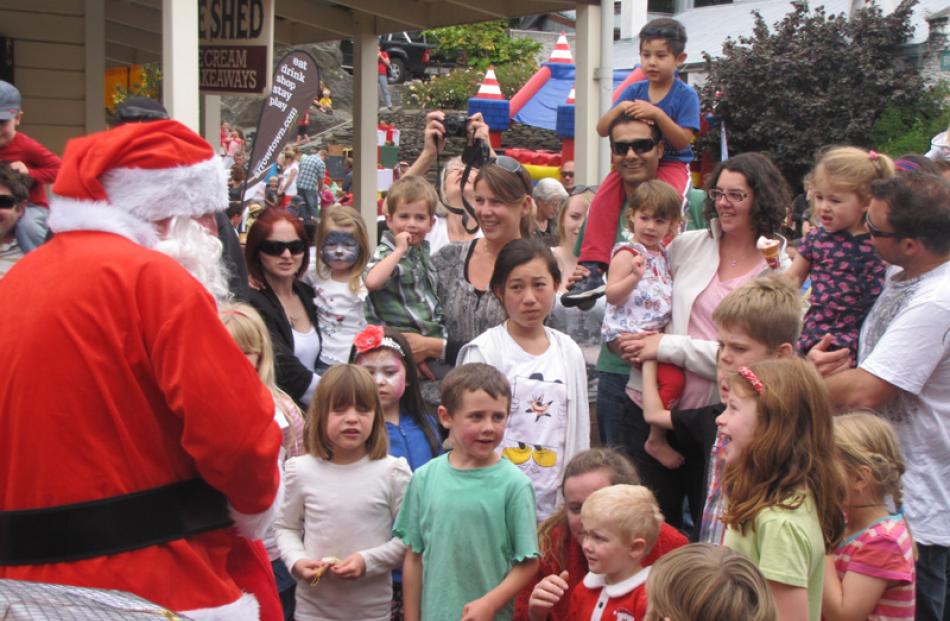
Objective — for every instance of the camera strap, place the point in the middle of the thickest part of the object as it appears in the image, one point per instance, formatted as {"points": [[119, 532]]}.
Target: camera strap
{"points": [[469, 223]]}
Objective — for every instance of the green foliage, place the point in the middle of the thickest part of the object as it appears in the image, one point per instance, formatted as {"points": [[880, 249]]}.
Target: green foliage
{"points": [[814, 80], [451, 91], [902, 130], [482, 44]]}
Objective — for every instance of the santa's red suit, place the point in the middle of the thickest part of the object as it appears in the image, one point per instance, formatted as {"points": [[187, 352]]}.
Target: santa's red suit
{"points": [[117, 377]]}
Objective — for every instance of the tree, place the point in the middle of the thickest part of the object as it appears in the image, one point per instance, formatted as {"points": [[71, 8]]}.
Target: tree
{"points": [[482, 44], [815, 80]]}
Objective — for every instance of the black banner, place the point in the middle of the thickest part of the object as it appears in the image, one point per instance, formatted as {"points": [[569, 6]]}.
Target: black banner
{"points": [[295, 86]]}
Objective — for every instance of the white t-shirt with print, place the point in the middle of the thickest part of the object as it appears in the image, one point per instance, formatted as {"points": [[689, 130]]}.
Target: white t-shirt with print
{"points": [[340, 312], [905, 341]]}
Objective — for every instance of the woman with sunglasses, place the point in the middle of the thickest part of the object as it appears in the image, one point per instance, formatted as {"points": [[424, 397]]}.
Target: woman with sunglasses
{"points": [[502, 208], [276, 254]]}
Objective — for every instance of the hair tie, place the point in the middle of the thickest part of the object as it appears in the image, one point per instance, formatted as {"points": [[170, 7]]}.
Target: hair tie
{"points": [[372, 337], [874, 155], [748, 375], [906, 165]]}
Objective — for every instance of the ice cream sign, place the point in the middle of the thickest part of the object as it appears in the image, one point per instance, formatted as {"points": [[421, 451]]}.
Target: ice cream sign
{"points": [[236, 46]]}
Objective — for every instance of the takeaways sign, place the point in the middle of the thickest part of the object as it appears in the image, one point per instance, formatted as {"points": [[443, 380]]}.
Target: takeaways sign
{"points": [[236, 45]]}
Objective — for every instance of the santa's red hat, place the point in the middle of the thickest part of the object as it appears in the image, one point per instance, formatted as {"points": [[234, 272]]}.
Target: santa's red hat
{"points": [[124, 179]]}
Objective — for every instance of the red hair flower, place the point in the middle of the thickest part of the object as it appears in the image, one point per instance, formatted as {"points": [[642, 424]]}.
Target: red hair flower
{"points": [[369, 339]]}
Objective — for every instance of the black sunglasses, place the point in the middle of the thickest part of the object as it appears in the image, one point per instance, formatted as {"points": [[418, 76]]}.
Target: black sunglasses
{"points": [[276, 248], [7, 201], [512, 165], [641, 146], [876, 232], [581, 188]]}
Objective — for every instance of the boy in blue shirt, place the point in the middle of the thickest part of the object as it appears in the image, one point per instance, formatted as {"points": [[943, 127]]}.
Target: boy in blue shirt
{"points": [[661, 99]]}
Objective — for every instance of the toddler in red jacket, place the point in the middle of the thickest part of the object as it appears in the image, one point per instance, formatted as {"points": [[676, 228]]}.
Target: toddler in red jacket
{"points": [[621, 524]]}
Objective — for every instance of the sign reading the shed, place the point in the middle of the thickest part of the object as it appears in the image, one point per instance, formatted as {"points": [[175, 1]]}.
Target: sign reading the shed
{"points": [[236, 46]]}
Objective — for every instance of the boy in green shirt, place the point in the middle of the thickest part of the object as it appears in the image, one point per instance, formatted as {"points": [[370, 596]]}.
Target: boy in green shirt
{"points": [[468, 518]]}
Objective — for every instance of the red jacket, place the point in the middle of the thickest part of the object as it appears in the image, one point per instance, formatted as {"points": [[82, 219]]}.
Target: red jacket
{"points": [[592, 600], [576, 566], [42, 163], [116, 377]]}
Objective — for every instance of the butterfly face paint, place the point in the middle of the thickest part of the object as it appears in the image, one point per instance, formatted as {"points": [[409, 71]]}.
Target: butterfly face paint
{"points": [[340, 250]]}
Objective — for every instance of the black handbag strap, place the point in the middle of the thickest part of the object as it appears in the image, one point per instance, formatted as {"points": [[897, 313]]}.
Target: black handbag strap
{"points": [[111, 525]]}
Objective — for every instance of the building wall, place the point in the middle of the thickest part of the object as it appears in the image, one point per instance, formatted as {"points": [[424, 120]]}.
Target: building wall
{"points": [[48, 57]]}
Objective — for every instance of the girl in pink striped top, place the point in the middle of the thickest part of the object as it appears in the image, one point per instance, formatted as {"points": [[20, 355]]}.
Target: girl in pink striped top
{"points": [[871, 574]]}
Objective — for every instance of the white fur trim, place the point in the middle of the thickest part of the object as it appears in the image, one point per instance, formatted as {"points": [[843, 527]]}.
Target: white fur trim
{"points": [[245, 608], [68, 214], [156, 194]]}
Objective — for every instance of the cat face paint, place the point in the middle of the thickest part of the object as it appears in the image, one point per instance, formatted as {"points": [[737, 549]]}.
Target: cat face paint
{"points": [[389, 374], [340, 250]]}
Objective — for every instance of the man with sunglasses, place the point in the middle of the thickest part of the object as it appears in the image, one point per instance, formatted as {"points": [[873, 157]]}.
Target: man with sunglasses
{"points": [[903, 368], [635, 154], [13, 195], [567, 175]]}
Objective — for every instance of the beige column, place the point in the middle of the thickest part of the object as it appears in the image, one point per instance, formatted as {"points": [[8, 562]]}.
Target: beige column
{"points": [[180, 61], [365, 120], [587, 58]]}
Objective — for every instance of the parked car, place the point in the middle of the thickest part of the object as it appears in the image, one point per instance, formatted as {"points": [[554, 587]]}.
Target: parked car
{"points": [[408, 55]]}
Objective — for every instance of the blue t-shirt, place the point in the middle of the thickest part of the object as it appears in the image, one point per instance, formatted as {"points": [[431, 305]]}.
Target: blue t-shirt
{"points": [[681, 104], [408, 440]]}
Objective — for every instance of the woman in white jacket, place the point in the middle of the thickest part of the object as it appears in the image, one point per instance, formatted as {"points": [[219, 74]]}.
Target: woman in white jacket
{"points": [[549, 420]]}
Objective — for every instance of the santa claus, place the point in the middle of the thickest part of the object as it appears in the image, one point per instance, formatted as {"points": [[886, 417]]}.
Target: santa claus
{"points": [[133, 431]]}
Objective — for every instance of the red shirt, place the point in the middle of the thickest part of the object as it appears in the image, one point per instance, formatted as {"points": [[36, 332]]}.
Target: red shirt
{"points": [[381, 61], [42, 163], [624, 601], [116, 377], [576, 566]]}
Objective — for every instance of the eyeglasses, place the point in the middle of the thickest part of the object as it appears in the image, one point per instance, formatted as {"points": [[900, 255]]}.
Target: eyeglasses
{"points": [[512, 165], [731, 196], [7, 201], [276, 248], [567, 173], [641, 146], [876, 232], [523, 452]]}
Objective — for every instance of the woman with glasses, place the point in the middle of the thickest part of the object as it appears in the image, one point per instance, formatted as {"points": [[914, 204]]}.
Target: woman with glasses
{"points": [[448, 225], [747, 198], [502, 209], [276, 255]]}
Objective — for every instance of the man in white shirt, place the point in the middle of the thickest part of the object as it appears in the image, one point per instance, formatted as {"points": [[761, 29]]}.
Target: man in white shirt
{"points": [[904, 363]]}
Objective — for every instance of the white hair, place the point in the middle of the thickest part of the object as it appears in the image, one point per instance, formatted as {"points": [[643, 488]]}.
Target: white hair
{"points": [[549, 189], [199, 252]]}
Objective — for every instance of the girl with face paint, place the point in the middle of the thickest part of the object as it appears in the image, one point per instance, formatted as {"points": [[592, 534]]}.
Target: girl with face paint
{"points": [[342, 251], [412, 433]]}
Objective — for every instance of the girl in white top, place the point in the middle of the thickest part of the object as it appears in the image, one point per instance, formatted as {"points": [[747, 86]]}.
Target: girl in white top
{"points": [[340, 294], [288, 177], [334, 528], [549, 421]]}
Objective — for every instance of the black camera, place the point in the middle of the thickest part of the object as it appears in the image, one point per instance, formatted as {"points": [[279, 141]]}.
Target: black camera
{"points": [[455, 125]]}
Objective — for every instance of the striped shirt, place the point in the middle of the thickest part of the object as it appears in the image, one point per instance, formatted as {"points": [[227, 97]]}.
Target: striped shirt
{"points": [[711, 529], [883, 550], [408, 301], [312, 169]]}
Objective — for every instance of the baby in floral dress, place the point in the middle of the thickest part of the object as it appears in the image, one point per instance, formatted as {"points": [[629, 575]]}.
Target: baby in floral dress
{"points": [[640, 294]]}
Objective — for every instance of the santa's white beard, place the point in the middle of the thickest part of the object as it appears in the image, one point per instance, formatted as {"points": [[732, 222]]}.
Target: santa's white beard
{"points": [[199, 252]]}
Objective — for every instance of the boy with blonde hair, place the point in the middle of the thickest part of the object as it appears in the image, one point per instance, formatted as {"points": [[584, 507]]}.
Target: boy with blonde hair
{"points": [[621, 524], [400, 277], [760, 320]]}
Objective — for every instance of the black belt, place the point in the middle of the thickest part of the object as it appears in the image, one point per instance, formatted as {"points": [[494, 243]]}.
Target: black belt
{"points": [[111, 525]]}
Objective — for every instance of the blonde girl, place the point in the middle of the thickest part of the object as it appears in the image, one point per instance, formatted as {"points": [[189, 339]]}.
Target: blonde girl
{"points": [[251, 335], [334, 528], [703, 582], [343, 249], [783, 493], [871, 574], [846, 273], [249, 332]]}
